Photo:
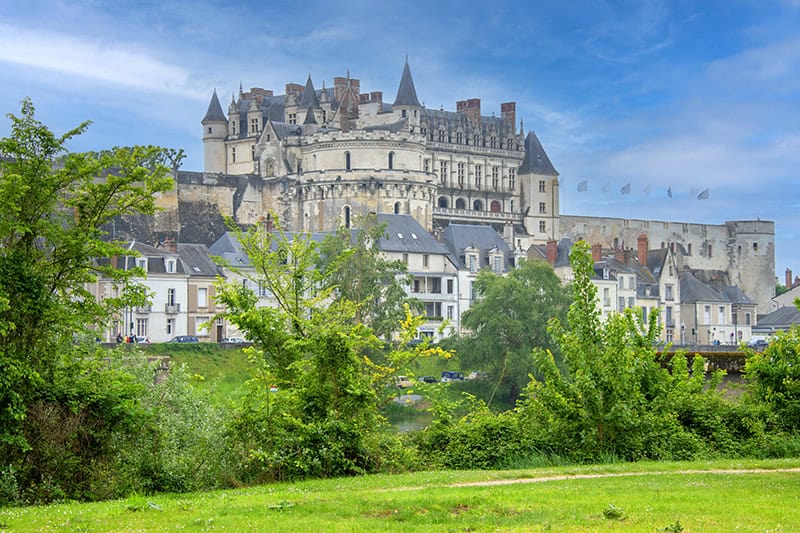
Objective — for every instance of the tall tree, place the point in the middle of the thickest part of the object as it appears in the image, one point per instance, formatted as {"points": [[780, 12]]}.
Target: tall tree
{"points": [[53, 206], [507, 320], [353, 265]]}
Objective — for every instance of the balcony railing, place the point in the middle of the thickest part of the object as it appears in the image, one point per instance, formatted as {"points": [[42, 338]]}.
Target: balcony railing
{"points": [[470, 214], [144, 309], [172, 309]]}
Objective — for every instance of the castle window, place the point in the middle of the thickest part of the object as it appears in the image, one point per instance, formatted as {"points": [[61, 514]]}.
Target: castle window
{"points": [[541, 185], [459, 138], [403, 113], [347, 216], [391, 160], [461, 171], [755, 246], [426, 165], [510, 144], [253, 152], [493, 142], [347, 160], [442, 201], [495, 207], [233, 127], [478, 176], [476, 140], [233, 154], [460, 203], [210, 130], [542, 226], [425, 260], [254, 125], [709, 250], [495, 177], [441, 136], [324, 117], [512, 176], [443, 171], [397, 208], [542, 208], [477, 205], [689, 248], [292, 118]]}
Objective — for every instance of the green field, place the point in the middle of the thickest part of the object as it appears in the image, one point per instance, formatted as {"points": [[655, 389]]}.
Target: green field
{"points": [[700, 496]]}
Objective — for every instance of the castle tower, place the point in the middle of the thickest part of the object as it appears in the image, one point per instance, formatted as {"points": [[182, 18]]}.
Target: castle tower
{"points": [[539, 192], [215, 129], [407, 104]]}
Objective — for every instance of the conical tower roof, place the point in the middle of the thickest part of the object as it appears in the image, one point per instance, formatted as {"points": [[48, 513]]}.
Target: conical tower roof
{"points": [[214, 112], [406, 93], [309, 96], [536, 160], [310, 118]]}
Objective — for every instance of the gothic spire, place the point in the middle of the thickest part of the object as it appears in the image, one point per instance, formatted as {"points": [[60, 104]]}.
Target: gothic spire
{"points": [[406, 93], [214, 112], [309, 99], [536, 160]]}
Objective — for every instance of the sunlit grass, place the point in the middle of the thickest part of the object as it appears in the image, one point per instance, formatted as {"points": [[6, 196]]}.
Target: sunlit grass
{"points": [[636, 497]]}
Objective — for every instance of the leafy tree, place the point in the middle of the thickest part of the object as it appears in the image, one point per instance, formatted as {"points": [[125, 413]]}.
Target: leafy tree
{"points": [[53, 206], [508, 320], [352, 264]]}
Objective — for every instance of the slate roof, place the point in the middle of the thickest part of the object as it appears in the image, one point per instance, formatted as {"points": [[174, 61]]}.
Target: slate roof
{"points": [[406, 92], [214, 112], [404, 234], [229, 248], [655, 261], [694, 290], [737, 296], [394, 127], [196, 259], [536, 160], [458, 237], [309, 99], [780, 318]]}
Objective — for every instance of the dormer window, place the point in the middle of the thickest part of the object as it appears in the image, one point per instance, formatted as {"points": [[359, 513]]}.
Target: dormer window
{"points": [[605, 273], [141, 262], [170, 265]]}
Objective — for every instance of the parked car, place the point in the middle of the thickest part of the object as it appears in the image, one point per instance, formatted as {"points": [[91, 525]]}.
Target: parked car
{"points": [[184, 338], [757, 342], [403, 382], [428, 379], [451, 376], [233, 340], [140, 339]]}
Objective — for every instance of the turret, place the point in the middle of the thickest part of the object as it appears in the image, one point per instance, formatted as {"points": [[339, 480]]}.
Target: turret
{"points": [[215, 129], [406, 104], [539, 186]]}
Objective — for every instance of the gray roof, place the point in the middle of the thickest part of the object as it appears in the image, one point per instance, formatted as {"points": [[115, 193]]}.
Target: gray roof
{"points": [[458, 237], [310, 118], [694, 290], [406, 93], [780, 318], [309, 99], [197, 261], [400, 125], [404, 234], [737, 296], [214, 112], [655, 261], [230, 249], [536, 160]]}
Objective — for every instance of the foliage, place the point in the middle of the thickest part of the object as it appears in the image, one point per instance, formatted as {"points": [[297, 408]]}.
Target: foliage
{"points": [[54, 422], [613, 396], [352, 264], [508, 320], [773, 377]]}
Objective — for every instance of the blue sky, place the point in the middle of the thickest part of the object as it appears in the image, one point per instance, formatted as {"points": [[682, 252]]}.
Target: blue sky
{"points": [[683, 94]]}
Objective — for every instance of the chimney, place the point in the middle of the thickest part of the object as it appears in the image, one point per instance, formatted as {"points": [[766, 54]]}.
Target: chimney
{"points": [[597, 253], [508, 111], [376, 96], [461, 105], [171, 245], [552, 252], [788, 278], [642, 242], [473, 110], [363, 98], [293, 88], [619, 255], [339, 84]]}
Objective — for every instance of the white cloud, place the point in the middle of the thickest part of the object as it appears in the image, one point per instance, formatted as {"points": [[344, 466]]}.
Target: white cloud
{"points": [[114, 63]]}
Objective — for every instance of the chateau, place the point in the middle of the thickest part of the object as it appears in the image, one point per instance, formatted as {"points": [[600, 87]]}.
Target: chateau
{"points": [[459, 190]]}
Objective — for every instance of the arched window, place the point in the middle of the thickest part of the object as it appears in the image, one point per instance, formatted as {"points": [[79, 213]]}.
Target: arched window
{"points": [[460, 203], [442, 201], [477, 205], [391, 160], [347, 160], [347, 216], [495, 206], [397, 208]]}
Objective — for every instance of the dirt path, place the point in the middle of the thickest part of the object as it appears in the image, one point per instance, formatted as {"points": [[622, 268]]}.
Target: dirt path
{"points": [[545, 479]]}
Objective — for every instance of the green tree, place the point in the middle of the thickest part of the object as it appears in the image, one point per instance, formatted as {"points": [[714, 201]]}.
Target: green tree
{"points": [[352, 264], [508, 320], [53, 207]]}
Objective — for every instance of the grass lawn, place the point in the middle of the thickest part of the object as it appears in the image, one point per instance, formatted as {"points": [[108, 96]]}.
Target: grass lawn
{"points": [[699, 496]]}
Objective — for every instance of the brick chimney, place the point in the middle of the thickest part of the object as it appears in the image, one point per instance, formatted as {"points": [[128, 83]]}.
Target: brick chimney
{"points": [[508, 111], [552, 252], [641, 241], [376, 96], [788, 278], [473, 110], [171, 245], [597, 252], [619, 255]]}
